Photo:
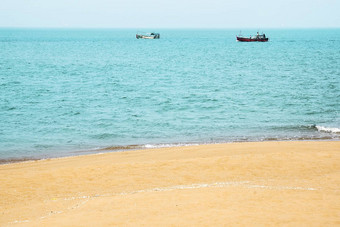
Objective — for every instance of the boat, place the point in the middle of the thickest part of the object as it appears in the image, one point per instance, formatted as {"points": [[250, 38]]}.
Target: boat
{"points": [[151, 35], [257, 38]]}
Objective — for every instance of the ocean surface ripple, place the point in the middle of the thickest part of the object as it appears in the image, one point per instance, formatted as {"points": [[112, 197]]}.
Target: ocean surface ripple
{"points": [[63, 92]]}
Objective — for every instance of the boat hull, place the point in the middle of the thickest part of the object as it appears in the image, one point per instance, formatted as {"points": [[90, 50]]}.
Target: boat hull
{"points": [[243, 39], [147, 37]]}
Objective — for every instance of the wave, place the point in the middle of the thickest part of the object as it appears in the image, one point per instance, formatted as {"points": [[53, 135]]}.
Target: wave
{"points": [[307, 128], [296, 127], [119, 148], [235, 140], [144, 146], [168, 145], [326, 129]]}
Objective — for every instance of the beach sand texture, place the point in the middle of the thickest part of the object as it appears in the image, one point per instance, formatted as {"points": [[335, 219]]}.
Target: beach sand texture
{"points": [[236, 184]]}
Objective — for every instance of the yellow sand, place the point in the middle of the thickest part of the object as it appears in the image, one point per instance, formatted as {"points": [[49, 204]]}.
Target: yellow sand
{"points": [[238, 184]]}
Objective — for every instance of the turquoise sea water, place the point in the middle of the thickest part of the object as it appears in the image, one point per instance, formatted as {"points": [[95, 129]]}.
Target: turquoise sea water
{"points": [[68, 92]]}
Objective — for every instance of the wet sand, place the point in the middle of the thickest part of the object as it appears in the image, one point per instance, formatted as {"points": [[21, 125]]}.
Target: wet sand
{"points": [[236, 184]]}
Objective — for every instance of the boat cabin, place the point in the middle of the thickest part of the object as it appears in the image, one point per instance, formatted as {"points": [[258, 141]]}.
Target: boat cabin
{"points": [[151, 35]]}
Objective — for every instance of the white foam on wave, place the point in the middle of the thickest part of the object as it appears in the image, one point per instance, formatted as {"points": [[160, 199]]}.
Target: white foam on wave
{"points": [[325, 129]]}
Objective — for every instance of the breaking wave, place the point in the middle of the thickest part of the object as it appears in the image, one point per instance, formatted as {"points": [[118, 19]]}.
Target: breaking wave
{"points": [[326, 129], [312, 127]]}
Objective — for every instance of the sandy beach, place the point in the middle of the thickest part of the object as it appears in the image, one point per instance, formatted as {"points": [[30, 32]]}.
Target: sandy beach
{"points": [[236, 184]]}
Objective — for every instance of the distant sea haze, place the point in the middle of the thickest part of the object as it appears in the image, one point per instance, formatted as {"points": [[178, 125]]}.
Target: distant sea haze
{"points": [[69, 92]]}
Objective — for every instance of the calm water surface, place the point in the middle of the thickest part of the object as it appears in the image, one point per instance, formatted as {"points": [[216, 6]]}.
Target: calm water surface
{"points": [[65, 92]]}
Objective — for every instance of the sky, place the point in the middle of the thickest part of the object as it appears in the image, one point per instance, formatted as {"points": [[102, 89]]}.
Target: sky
{"points": [[170, 13]]}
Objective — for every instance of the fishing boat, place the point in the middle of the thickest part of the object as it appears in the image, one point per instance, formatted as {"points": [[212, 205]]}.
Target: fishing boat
{"points": [[257, 38], [151, 35]]}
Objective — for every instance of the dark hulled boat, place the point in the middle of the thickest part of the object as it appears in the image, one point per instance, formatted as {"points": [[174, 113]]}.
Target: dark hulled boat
{"points": [[257, 38]]}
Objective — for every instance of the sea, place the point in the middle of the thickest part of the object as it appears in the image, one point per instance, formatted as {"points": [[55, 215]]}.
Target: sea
{"points": [[66, 92]]}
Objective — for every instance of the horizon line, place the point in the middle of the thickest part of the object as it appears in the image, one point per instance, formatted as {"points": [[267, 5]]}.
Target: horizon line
{"points": [[179, 28]]}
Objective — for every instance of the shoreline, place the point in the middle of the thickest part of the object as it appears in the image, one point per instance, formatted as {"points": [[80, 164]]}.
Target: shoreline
{"points": [[132, 147], [266, 183]]}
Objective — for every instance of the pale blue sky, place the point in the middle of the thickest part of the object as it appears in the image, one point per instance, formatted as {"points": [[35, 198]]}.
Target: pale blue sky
{"points": [[170, 13]]}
